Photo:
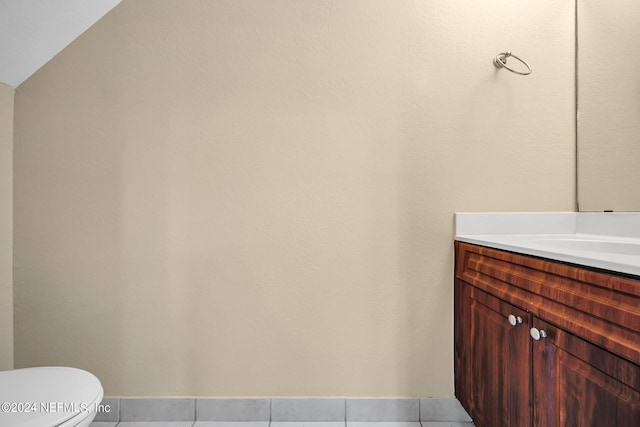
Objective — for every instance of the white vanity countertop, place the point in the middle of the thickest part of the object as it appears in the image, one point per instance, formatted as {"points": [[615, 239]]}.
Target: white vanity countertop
{"points": [[610, 241]]}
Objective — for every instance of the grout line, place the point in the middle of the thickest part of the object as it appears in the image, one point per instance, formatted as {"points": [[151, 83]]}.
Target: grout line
{"points": [[345, 412]]}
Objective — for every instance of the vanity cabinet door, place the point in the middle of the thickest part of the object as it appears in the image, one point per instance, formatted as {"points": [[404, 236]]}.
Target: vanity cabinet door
{"points": [[492, 359], [577, 384]]}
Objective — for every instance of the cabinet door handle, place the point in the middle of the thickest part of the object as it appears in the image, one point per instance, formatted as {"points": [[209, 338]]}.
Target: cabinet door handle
{"points": [[537, 334], [514, 320]]}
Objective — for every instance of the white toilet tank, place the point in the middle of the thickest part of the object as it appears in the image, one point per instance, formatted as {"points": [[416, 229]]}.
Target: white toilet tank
{"points": [[48, 397]]}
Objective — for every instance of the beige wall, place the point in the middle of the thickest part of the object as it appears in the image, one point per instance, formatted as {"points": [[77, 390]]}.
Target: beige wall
{"points": [[6, 227], [239, 198], [608, 105]]}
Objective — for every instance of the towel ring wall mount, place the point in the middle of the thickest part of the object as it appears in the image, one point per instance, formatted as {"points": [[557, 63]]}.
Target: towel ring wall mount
{"points": [[500, 61]]}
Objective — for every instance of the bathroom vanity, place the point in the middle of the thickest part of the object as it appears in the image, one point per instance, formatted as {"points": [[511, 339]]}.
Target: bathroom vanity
{"points": [[542, 342]]}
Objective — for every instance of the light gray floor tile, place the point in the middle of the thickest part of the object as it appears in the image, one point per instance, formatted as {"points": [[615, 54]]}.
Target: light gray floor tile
{"points": [[155, 424], [103, 424], [383, 424], [447, 424], [231, 424], [442, 410], [157, 410], [307, 424], [383, 410], [233, 409], [307, 410]]}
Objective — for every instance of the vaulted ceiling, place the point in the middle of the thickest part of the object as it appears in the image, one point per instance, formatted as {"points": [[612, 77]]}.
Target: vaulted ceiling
{"points": [[34, 31]]}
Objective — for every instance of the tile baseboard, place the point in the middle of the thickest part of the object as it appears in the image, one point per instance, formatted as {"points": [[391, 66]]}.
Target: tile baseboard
{"points": [[278, 410], [447, 410], [178, 409], [383, 410], [300, 410], [246, 410]]}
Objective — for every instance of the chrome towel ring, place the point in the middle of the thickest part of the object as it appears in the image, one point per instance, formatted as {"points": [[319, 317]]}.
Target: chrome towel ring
{"points": [[500, 61]]}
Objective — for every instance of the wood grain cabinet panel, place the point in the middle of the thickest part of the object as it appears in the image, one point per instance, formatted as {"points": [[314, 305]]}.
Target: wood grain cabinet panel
{"points": [[583, 371], [579, 384], [492, 353]]}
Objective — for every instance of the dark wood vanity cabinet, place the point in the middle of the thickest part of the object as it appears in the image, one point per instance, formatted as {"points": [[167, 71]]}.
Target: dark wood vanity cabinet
{"points": [[584, 368], [491, 353]]}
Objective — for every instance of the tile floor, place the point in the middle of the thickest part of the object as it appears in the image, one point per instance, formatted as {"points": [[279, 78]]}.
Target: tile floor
{"points": [[280, 424]]}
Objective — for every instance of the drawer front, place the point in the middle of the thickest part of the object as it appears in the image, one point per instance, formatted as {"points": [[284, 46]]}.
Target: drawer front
{"points": [[601, 308]]}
